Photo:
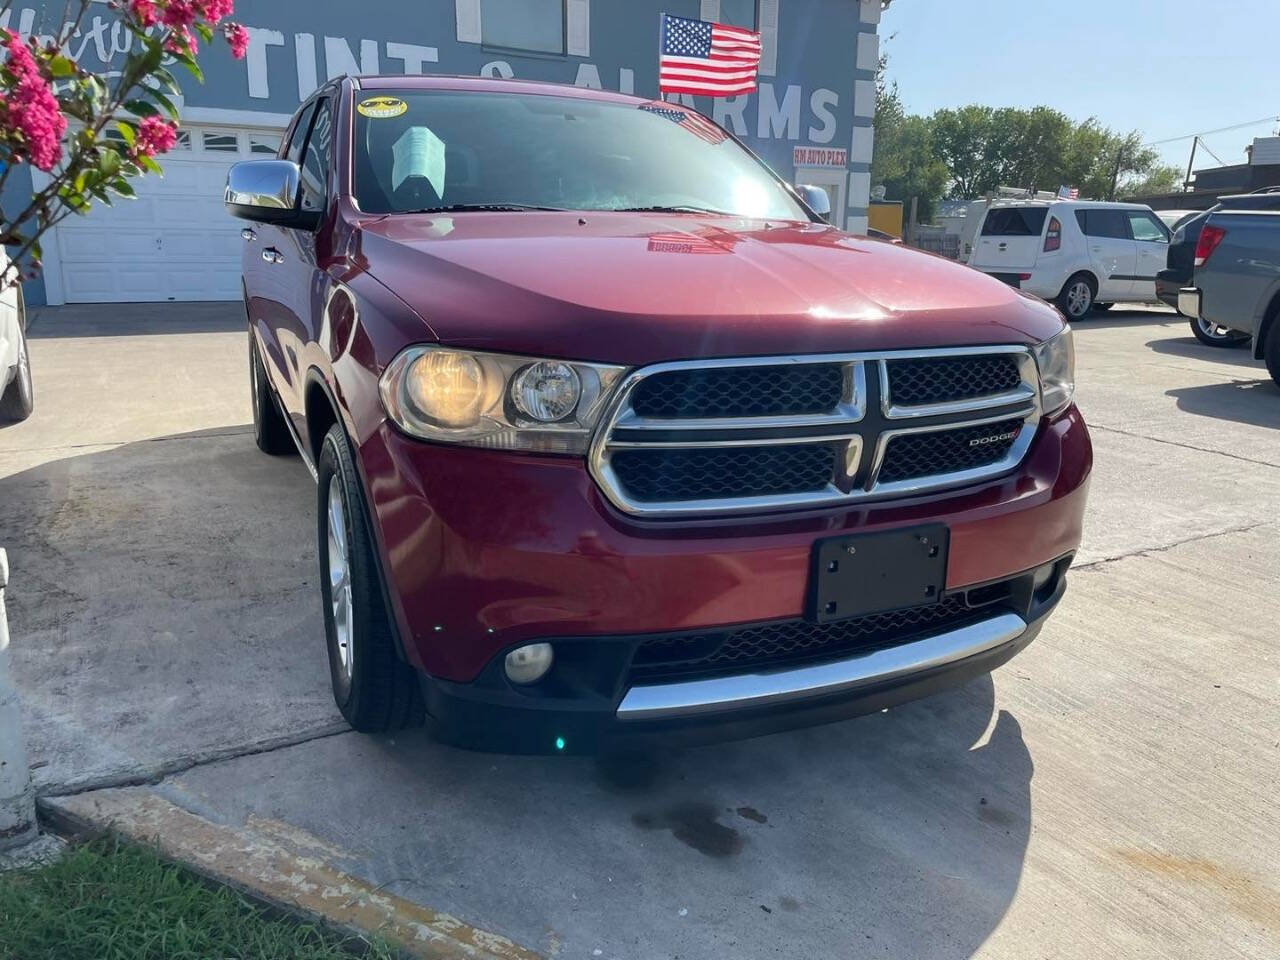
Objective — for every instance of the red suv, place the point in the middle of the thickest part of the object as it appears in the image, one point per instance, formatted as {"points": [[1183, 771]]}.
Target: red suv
{"points": [[615, 436]]}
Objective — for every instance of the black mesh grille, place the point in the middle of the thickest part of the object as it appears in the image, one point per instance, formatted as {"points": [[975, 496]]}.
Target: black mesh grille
{"points": [[916, 455], [949, 379], [740, 392], [701, 474], [795, 640]]}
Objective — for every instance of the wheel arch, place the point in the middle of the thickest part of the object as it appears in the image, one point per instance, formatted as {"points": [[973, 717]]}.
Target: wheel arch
{"points": [[1270, 317]]}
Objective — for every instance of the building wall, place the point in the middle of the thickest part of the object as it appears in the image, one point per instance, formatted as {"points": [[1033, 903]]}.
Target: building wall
{"points": [[816, 92]]}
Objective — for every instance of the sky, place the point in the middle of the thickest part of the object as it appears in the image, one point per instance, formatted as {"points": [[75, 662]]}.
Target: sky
{"points": [[1167, 68]]}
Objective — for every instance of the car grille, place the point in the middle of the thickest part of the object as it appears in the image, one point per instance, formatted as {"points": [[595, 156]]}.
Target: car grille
{"points": [[775, 433], [720, 472], [740, 392], [930, 380], [914, 455], [792, 641]]}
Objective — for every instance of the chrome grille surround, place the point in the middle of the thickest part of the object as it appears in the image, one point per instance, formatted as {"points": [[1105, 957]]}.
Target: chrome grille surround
{"points": [[861, 426]]}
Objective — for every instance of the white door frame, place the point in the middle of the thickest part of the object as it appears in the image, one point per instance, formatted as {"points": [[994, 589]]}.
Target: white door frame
{"points": [[204, 117]]}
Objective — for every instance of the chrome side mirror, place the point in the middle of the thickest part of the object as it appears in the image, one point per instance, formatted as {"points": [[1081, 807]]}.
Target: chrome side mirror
{"points": [[816, 199], [268, 191]]}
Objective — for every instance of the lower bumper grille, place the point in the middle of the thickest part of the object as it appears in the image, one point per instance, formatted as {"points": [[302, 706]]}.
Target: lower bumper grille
{"points": [[794, 641]]}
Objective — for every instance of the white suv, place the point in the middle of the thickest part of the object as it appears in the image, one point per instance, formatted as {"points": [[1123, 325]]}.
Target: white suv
{"points": [[1081, 254], [17, 397]]}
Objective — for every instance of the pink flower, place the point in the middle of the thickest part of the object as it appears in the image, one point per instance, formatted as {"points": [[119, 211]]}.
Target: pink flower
{"points": [[155, 136], [215, 10], [31, 114], [179, 15], [144, 11], [238, 39]]}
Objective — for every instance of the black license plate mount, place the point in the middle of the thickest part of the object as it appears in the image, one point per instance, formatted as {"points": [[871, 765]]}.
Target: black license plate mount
{"points": [[865, 573]]}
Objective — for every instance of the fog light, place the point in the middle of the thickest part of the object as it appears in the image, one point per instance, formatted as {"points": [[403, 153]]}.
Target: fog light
{"points": [[529, 664]]}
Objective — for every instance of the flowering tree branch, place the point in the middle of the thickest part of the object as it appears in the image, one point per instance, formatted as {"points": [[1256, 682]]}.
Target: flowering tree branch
{"points": [[117, 129]]}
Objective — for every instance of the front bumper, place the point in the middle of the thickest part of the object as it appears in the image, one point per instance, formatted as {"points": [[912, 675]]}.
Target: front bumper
{"points": [[482, 551]]}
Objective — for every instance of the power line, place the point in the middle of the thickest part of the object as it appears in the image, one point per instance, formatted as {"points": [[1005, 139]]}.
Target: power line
{"points": [[1206, 133]]}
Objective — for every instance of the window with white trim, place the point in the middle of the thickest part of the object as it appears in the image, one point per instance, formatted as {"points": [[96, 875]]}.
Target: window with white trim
{"points": [[740, 13], [534, 25]]}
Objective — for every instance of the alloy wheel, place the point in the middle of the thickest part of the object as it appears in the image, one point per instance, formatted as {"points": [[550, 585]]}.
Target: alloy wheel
{"points": [[1079, 299], [1214, 331], [340, 580]]}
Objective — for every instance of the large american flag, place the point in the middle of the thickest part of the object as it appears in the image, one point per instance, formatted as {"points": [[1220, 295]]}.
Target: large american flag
{"points": [[709, 59]]}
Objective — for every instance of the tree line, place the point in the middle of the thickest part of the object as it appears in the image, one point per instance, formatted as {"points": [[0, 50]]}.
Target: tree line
{"points": [[965, 153]]}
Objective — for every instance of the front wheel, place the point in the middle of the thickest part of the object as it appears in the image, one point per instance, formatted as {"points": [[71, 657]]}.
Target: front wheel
{"points": [[375, 690], [19, 400], [1271, 352], [1077, 296], [1213, 335]]}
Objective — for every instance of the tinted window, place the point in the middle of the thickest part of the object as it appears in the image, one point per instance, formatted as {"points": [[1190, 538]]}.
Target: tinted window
{"points": [[426, 150], [524, 24], [1015, 222], [315, 163], [1147, 228], [299, 134], [1103, 223]]}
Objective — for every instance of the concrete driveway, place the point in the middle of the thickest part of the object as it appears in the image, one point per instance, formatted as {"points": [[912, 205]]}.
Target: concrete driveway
{"points": [[1110, 793]]}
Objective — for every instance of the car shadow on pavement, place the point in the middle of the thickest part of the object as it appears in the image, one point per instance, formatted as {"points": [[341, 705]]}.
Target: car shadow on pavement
{"points": [[1192, 349], [1255, 402], [134, 319], [1111, 319], [898, 834]]}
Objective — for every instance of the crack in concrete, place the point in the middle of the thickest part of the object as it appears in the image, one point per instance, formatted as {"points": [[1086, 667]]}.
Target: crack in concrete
{"points": [[168, 768], [1165, 548], [1184, 446]]}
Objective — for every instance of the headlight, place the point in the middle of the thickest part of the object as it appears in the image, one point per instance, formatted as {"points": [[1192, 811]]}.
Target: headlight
{"points": [[496, 400], [1056, 359]]}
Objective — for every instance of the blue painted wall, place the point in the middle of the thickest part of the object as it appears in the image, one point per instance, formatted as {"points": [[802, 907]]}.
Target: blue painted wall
{"points": [[810, 100]]}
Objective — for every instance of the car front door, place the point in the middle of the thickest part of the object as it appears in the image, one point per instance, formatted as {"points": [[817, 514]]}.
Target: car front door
{"points": [[1151, 241], [1113, 255], [268, 294], [294, 264]]}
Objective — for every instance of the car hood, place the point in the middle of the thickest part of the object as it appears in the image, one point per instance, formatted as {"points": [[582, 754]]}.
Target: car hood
{"points": [[639, 288]]}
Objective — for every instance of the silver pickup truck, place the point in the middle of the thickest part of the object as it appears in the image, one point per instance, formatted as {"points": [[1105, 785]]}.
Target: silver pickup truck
{"points": [[1237, 279]]}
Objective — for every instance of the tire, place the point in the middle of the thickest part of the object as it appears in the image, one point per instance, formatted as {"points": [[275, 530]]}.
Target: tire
{"points": [[19, 398], [1212, 335], [1271, 352], [374, 689], [1076, 299], [270, 432]]}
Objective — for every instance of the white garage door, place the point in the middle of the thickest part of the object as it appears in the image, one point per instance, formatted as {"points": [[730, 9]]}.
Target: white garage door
{"points": [[175, 241]]}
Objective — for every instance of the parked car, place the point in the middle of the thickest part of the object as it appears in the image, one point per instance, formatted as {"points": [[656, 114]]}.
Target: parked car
{"points": [[1080, 254], [1236, 284], [615, 438], [1182, 253], [17, 393], [1173, 219]]}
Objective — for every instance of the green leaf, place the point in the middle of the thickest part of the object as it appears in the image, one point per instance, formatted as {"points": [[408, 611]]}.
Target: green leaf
{"points": [[109, 163], [163, 75], [165, 103], [140, 108], [60, 66], [122, 187], [127, 131], [149, 164]]}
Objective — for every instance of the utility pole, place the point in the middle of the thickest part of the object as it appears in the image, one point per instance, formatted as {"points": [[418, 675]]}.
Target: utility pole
{"points": [[1115, 174], [1186, 184]]}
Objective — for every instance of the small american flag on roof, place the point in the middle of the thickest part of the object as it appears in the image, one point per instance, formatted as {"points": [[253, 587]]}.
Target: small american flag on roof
{"points": [[708, 59], [1068, 193]]}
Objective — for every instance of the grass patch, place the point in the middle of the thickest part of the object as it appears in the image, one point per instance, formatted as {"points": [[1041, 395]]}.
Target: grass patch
{"points": [[108, 900]]}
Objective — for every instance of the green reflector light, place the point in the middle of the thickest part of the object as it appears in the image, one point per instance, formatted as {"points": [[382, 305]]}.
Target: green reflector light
{"points": [[559, 743]]}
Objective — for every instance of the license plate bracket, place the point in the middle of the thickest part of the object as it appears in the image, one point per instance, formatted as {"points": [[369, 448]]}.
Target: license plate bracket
{"points": [[860, 574]]}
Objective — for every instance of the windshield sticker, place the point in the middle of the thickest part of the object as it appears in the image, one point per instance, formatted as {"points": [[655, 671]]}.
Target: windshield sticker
{"points": [[382, 108], [418, 153]]}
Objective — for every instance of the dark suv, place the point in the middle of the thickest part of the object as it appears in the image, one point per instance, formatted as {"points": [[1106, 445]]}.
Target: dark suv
{"points": [[614, 436]]}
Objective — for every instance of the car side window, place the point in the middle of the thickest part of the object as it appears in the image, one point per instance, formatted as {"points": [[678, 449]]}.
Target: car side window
{"points": [[1103, 223], [1147, 228], [293, 150], [315, 159]]}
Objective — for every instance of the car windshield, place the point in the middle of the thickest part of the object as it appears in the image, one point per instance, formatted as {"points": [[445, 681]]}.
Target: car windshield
{"points": [[446, 150]]}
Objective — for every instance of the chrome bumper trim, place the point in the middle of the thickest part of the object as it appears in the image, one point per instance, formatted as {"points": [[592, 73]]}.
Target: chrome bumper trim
{"points": [[744, 691], [1189, 302]]}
